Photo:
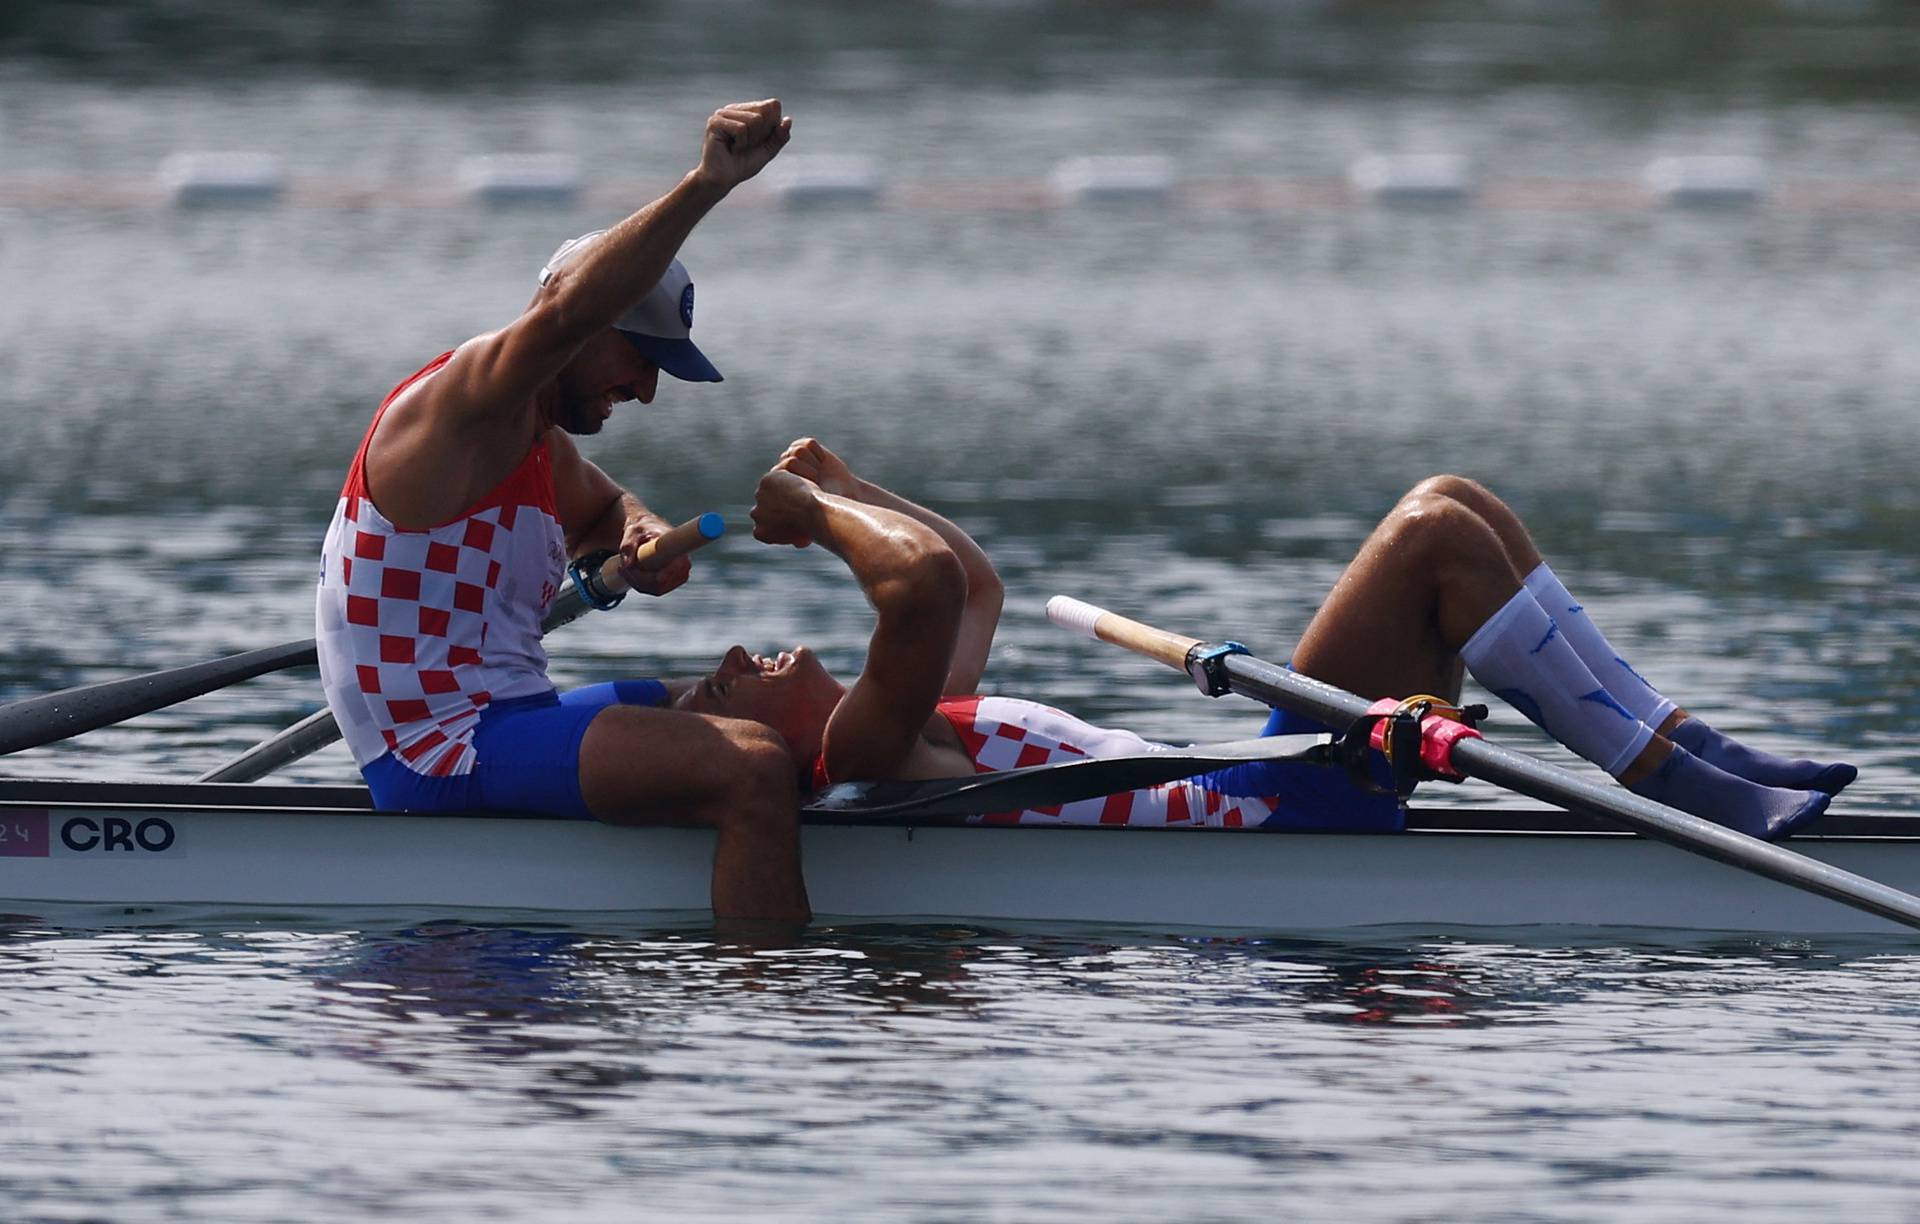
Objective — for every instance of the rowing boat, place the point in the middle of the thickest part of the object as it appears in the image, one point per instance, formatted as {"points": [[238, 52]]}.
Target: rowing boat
{"points": [[919, 849], [157, 843]]}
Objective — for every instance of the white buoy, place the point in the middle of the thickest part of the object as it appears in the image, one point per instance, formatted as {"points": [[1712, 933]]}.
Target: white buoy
{"points": [[197, 179], [1707, 182], [1144, 179], [1413, 178], [824, 180], [522, 178]]}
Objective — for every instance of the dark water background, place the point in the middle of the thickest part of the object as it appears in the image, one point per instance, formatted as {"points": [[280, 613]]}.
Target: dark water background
{"points": [[1192, 412]]}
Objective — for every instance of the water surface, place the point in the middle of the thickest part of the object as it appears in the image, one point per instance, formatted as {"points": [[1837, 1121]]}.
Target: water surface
{"points": [[1192, 413]]}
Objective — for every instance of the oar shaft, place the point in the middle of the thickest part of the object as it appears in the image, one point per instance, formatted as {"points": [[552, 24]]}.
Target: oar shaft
{"points": [[56, 716], [302, 739], [1277, 686], [1479, 758]]}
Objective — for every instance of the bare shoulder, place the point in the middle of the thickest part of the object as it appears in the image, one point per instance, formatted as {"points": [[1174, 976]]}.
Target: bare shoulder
{"points": [[432, 454]]}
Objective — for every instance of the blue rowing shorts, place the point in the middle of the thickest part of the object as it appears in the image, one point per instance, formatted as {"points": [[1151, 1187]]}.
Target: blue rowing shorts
{"points": [[527, 756], [1313, 798]]}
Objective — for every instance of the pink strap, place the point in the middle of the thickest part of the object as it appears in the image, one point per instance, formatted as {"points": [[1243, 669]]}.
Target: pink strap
{"points": [[1438, 735]]}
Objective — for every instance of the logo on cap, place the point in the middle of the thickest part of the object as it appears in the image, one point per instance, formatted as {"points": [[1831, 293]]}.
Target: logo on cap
{"points": [[686, 306]]}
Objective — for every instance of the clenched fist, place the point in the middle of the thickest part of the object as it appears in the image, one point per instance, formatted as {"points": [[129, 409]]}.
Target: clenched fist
{"points": [[785, 508], [809, 460], [742, 138]]}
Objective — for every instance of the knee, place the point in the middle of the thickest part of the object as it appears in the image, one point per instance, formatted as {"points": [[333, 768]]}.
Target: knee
{"points": [[762, 782], [1469, 493], [1431, 528]]}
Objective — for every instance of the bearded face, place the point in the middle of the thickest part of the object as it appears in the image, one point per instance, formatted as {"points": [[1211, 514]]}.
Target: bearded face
{"points": [[608, 370], [577, 414]]}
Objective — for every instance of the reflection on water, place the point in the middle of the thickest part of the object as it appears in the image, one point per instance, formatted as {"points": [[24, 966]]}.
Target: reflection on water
{"points": [[888, 1068]]}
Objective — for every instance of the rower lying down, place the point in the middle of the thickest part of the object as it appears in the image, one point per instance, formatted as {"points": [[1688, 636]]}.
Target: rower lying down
{"points": [[1450, 581]]}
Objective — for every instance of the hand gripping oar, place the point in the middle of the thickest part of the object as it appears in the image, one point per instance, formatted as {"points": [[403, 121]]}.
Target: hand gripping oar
{"points": [[1013, 790], [602, 588], [34, 721], [1220, 669]]}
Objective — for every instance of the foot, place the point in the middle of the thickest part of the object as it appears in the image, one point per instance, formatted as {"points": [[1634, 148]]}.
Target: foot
{"points": [[1736, 758], [1698, 788]]}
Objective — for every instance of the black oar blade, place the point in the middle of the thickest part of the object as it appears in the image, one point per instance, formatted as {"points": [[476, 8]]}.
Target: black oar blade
{"points": [[57, 716], [1037, 786]]}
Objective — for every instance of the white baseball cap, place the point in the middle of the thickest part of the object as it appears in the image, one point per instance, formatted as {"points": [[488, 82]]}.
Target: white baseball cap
{"points": [[660, 323]]}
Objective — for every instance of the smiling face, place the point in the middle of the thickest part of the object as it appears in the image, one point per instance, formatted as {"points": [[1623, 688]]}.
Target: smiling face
{"points": [[790, 692], [606, 371]]}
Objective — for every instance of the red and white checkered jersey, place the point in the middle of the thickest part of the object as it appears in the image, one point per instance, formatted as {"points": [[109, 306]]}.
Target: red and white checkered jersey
{"points": [[1011, 733], [419, 630]]}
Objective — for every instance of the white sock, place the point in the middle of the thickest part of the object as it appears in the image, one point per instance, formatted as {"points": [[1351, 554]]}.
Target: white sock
{"points": [[1523, 657], [1628, 686]]}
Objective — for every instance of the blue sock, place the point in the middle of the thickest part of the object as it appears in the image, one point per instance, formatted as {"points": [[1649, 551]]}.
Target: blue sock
{"points": [[1754, 765], [1697, 788]]}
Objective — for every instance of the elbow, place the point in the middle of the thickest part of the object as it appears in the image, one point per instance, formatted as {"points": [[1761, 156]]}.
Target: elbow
{"points": [[939, 580], [930, 584], [558, 314], [984, 589]]}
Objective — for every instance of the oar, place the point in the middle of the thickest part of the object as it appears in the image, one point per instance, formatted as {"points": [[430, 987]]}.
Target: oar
{"points": [[35, 721], [1013, 790], [319, 729], [1276, 686], [607, 586]]}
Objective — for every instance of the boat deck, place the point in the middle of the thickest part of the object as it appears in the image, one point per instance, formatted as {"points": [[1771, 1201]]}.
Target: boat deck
{"points": [[354, 800]]}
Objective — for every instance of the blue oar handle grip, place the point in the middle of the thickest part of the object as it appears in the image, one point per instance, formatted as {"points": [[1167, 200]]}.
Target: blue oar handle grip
{"points": [[662, 549], [596, 580]]}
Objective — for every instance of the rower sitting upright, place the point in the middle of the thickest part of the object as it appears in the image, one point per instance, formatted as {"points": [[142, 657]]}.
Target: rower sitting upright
{"points": [[451, 539], [1448, 582]]}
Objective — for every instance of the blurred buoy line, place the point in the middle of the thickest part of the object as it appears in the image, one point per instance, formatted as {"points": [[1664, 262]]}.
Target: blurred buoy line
{"points": [[239, 178]]}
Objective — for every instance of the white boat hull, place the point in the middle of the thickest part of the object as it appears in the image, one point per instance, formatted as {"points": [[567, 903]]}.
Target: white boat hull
{"points": [[1241, 880]]}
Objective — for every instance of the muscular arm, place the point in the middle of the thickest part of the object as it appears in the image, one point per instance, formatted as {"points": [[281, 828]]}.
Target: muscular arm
{"points": [[980, 615], [496, 373], [456, 434], [596, 513], [499, 372], [917, 588]]}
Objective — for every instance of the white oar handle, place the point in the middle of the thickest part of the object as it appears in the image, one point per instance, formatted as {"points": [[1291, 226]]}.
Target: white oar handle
{"points": [[663, 548], [1076, 614]]}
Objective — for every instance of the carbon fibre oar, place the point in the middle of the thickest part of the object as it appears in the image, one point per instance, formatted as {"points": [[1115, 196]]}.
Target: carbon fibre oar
{"points": [[601, 589], [1012, 790], [1276, 686], [34, 721]]}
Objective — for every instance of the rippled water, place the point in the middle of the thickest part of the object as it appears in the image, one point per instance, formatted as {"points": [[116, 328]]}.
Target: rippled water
{"points": [[1193, 413], [265, 1070]]}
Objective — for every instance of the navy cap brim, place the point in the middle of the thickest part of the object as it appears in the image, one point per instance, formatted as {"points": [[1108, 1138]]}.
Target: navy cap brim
{"points": [[677, 357]]}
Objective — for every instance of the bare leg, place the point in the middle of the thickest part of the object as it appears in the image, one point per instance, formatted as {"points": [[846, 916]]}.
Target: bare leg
{"points": [[1443, 563], [1668, 719], [1428, 576], [644, 766]]}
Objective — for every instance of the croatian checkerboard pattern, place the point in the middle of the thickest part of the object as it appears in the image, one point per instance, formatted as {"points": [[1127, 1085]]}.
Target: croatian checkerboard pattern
{"points": [[1012, 733], [419, 630]]}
